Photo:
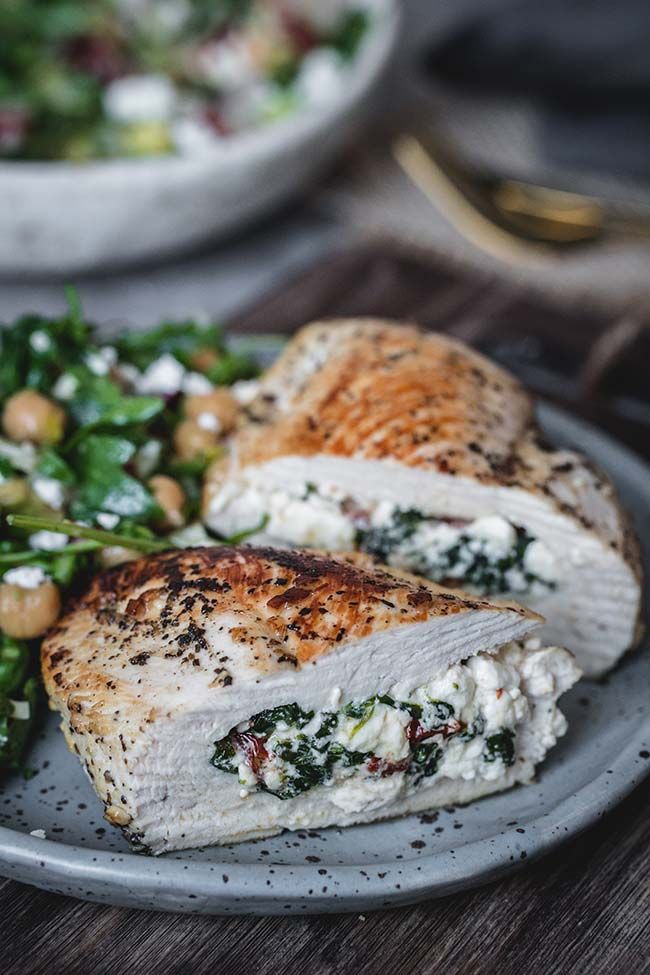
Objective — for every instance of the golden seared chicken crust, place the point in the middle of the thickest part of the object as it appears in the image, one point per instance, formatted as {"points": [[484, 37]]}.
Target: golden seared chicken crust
{"points": [[293, 607], [380, 390]]}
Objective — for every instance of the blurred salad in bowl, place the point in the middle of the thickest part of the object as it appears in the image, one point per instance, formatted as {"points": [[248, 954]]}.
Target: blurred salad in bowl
{"points": [[123, 78], [102, 454]]}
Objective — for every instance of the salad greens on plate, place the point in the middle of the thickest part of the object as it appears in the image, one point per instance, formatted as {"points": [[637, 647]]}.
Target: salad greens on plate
{"points": [[102, 454]]}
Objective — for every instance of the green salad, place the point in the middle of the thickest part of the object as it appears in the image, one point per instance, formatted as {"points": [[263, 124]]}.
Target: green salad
{"points": [[102, 454], [106, 78]]}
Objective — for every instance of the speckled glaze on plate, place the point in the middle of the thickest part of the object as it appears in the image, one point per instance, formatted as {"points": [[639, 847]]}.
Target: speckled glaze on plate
{"points": [[604, 755]]}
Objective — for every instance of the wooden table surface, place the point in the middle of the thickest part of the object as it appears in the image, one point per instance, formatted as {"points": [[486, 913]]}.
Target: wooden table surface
{"points": [[585, 909]]}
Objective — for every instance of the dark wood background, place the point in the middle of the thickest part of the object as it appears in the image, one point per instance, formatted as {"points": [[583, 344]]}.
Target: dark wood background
{"points": [[586, 908]]}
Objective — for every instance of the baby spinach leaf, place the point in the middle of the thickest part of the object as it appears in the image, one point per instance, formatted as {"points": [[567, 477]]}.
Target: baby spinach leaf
{"points": [[426, 758], [477, 727], [99, 401], [51, 464], [437, 713], [224, 755], [500, 747], [105, 485], [265, 722], [33, 349]]}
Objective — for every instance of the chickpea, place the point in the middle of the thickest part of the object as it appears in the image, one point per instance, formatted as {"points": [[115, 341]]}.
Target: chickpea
{"points": [[170, 496], [204, 358], [191, 440], [13, 492], [219, 404], [28, 613], [29, 415]]}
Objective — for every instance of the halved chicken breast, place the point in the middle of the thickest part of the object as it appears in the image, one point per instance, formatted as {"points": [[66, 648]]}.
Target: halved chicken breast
{"points": [[375, 436], [220, 694]]}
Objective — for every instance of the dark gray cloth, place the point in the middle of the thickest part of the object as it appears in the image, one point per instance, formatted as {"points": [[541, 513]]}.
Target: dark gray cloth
{"points": [[585, 64]]}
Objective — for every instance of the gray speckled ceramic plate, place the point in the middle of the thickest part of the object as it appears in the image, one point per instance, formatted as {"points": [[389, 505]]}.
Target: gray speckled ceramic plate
{"points": [[604, 755]]}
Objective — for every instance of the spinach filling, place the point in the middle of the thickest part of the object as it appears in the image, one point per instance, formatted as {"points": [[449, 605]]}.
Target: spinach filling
{"points": [[463, 561], [289, 751]]}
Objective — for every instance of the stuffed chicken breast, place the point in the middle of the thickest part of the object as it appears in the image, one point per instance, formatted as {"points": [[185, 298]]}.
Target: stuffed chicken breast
{"points": [[220, 694], [409, 446]]}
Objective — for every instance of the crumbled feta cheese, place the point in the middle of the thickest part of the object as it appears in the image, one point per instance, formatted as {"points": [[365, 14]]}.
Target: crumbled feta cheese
{"points": [[247, 106], [228, 63], [22, 456], [191, 536], [40, 341], [49, 490], [107, 520], [128, 375], [147, 458], [140, 98], [21, 710], [196, 384], [245, 390], [65, 387], [26, 576], [208, 421], [382, 734], [47, 541], [498, 534], [320, 78], [164, 377], [539, 560], [101, 361]]}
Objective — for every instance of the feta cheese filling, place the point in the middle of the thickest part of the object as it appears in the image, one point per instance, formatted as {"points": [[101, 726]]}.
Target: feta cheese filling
{"points": [[487, 555], [470, 722]]}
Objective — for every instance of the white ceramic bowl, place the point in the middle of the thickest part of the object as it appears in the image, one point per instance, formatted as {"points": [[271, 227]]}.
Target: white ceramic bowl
{"points": [[64, 217]]}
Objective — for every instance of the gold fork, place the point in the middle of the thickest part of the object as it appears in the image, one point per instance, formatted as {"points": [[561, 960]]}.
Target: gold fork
{"points": [[508, 218]]}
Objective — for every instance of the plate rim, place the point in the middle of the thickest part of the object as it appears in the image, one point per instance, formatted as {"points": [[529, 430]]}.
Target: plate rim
{"points": [[166, 883]]}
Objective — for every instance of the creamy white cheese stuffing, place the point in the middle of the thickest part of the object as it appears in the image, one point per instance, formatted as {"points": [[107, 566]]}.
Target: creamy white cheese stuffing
{"points": [[513, 691], [310, 519], [304, 516]]}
